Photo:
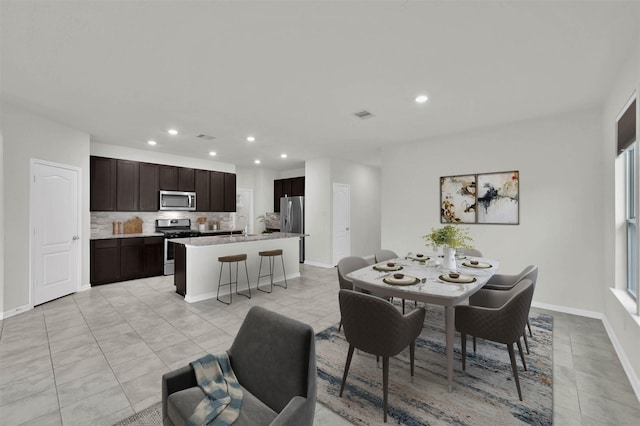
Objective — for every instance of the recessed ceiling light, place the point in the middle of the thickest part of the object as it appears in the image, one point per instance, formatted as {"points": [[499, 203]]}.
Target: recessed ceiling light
{"points": [[257, 161], [151, 142], [251, 138], [172, 132], [283, 155], [212, 153], [421, 99]]}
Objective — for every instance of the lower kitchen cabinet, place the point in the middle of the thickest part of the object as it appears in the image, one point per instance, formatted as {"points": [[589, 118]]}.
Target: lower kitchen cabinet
{"points": [[121, 259]]}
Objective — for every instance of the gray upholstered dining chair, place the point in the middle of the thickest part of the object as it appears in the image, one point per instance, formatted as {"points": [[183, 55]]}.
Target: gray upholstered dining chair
{"points": [[346, 265], [274, 360], [502, 282], [375, 326], [469, 252], [382, 255], [501, 320]]}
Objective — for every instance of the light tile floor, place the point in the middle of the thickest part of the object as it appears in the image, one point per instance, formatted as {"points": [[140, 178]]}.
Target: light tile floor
{"points": [[96, 357]]}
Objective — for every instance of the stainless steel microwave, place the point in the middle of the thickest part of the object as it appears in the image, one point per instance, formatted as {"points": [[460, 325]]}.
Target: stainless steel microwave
{"points": [[177, 200]]}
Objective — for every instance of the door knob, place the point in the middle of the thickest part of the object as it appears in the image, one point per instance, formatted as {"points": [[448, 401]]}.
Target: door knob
{"points": [[347, 229], [75, 237]]}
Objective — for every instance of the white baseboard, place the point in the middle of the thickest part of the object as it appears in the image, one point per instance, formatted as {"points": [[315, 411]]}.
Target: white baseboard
{"points": [[319, 265], [85, 287], [16, 311], [626, 365], [566, 310]]}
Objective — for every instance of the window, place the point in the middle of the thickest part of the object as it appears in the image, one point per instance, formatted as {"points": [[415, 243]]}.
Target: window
{"points": [[631, 171]]}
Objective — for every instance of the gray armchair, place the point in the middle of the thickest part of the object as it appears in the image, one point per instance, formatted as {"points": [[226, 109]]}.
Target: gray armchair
{"points": [[501, 320], [469, 252], [502, 282], [382, 255], [273, 358], [346, 265], [375, 326]]}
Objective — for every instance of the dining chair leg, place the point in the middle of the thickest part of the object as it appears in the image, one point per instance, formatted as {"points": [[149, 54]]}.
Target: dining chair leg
{"points": [[529, 325], [524, 364], [514, 368], [402, 306], [474, 344], [463, 338], [346, 368], [412, 355], [385, 383], [526, 342]]}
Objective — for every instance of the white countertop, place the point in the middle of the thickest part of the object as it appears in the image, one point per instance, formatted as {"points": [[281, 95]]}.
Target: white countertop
{"points": [[143, 234], [229, 239]]}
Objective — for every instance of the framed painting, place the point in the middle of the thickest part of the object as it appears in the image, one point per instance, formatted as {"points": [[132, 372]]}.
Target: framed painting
{"points": [[498, 198], [458, 199]]}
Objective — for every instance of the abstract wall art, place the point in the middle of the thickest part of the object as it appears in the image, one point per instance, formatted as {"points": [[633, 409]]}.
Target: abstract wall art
{"points": [[498, 198], [458, 199], [488, 198]]}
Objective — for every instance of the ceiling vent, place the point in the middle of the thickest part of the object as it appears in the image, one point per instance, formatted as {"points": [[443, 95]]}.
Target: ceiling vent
{"points": [[206, 137], [363, 114]]}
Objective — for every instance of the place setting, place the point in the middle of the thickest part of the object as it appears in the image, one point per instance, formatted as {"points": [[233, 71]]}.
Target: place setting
{"points": [[400, 279], [387, 267], [457, 278]]}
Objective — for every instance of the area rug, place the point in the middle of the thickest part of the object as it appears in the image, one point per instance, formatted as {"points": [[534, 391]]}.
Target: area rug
{"points": [[483, 395], [151, 416]]}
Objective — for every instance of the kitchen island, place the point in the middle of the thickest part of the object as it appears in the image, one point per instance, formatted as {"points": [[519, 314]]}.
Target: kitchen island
{"points": [[197, 269]]}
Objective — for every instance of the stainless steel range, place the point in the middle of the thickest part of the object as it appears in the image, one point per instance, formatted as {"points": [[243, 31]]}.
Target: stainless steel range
{"points": [[173, 228]]}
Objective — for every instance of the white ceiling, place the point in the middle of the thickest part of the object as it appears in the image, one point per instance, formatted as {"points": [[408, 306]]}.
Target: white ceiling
{"points": [[294, 73]]}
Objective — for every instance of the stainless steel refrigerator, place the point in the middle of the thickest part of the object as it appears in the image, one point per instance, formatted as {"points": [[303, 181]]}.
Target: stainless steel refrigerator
{"points": [[292, 218]]}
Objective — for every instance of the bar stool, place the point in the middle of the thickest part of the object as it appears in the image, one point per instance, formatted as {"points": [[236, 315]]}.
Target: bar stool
{"points": [[236, 258], [271, 254]]}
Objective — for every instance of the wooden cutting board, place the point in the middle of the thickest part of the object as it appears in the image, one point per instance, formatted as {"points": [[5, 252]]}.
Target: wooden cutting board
{"points": [[133, 226]]}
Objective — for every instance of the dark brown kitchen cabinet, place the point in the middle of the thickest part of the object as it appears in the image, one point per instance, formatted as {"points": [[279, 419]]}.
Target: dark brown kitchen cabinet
{"points": [[291, 187], [102, 172], [229, 192], [122, 259], [131, 258], [297, 187], [202, 190], [153, 256], [127, 190], [104, 261], [186, 179], [216, 191], [168, 178], [149, 187]]}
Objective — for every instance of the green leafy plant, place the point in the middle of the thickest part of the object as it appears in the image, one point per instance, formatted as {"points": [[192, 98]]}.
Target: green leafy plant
{"points": [[449, 235], [263, 220]]}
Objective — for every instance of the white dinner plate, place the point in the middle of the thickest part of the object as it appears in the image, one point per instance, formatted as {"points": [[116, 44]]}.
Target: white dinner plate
{"points": [[480, 265], [405, 280], [386, 268], [419, 258], [462, 279]]}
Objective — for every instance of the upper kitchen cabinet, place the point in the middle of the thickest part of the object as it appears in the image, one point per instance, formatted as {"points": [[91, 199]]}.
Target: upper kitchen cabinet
{"points": [[291, 187], [202, 190], [216, 191], [229, 192], [102, 173], [186, 179], [127, 190], [168, 178], [149, 187]]}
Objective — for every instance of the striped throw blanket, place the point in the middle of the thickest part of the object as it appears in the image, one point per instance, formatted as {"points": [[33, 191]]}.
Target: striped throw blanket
{"points": [[221, 405]]}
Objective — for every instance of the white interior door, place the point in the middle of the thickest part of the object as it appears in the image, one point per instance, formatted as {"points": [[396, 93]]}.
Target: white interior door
{"points": [[55, 248], [341, 221]]}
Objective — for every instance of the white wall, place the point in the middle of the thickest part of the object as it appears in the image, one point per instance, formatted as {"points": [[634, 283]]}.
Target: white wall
{"points": [[364, 183], [284, 174], [618, 307], [261, 181], [27, 136], [560, 230], [1, 221], [318, 210]]}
